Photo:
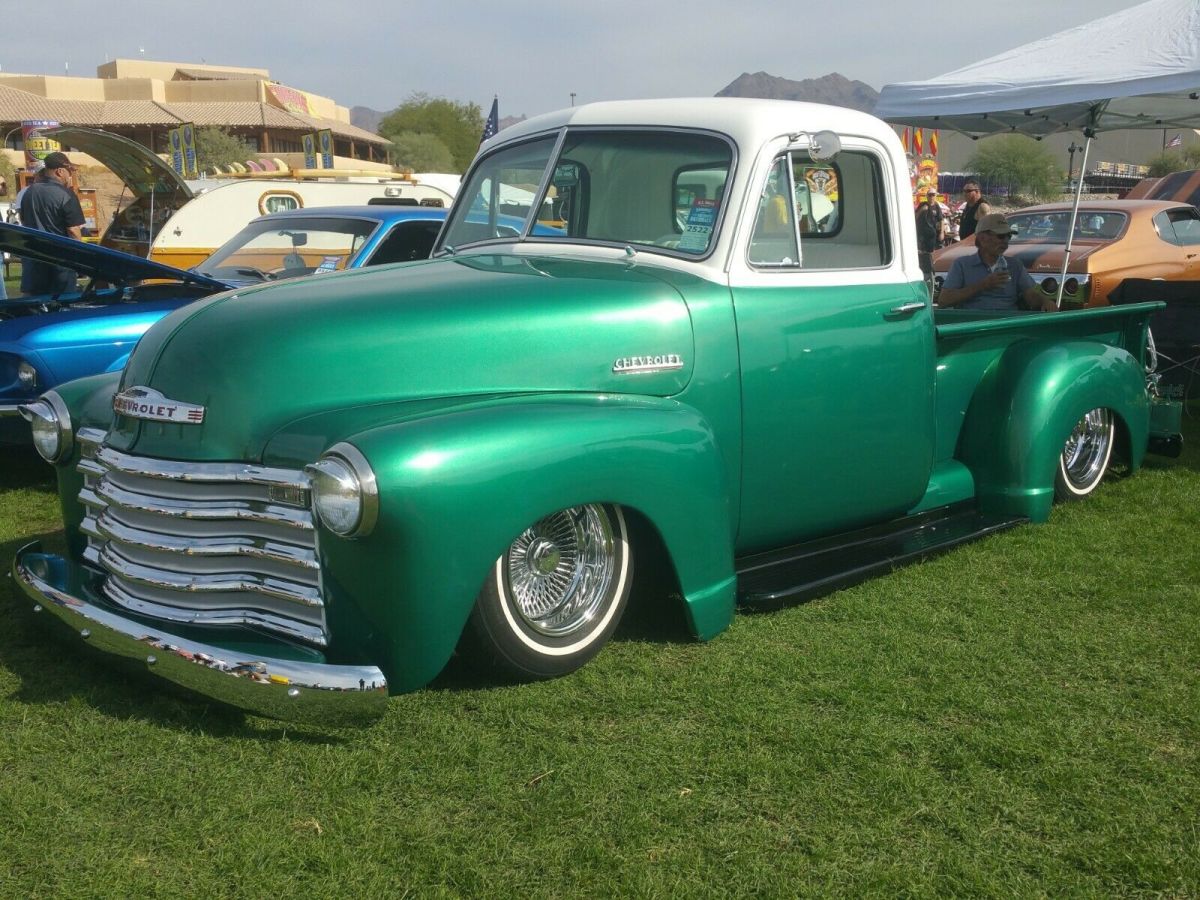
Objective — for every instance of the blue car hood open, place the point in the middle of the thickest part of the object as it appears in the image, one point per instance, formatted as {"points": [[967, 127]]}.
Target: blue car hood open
{"points": [[92, 260]]}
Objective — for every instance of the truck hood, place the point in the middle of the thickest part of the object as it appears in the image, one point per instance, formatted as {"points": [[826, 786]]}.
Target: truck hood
{"points": [[142, 172], [93, 261], [450, 328]]}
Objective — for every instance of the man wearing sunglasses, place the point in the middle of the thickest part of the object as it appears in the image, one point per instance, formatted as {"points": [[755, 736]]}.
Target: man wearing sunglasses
{"points": [[988, 279], [974, 210]]}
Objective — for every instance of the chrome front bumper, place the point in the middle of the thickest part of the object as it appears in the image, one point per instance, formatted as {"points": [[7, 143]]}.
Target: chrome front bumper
{"points": [[10, 409], [314, 693]]}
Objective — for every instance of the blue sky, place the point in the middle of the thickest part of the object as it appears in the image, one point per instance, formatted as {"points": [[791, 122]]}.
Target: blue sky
{"points": [[534, 54]]}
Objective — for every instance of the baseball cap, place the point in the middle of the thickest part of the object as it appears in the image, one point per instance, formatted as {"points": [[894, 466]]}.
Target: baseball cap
{"points": [[996, 223], [58, 160]]}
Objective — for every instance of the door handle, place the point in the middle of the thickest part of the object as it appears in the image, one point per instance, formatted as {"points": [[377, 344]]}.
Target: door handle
{"points": [[905, 309]]}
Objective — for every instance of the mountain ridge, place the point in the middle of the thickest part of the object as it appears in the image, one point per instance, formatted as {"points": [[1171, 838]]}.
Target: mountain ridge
{"points": [[835, 89]]}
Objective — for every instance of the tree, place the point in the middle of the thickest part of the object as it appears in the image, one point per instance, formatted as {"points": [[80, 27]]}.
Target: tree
{"points": [[421, 152], [217, 147], [8, 174], [457, 125], [1022, 163], [1175, 161]]}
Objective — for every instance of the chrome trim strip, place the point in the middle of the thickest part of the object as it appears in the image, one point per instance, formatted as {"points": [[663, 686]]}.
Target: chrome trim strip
{"points": [[104, 528], [203, 472], [229, 617], [231, 583], [14, 410], [89, 466], [315, 693], [90, 436], [244, 510]]}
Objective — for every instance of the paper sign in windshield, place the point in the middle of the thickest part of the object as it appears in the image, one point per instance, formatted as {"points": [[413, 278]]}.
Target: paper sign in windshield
{"points": [[328, 264], [701, 218]]}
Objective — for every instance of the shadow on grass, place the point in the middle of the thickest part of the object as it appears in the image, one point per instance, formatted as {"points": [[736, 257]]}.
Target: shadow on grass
{"points": [[21, 467]]}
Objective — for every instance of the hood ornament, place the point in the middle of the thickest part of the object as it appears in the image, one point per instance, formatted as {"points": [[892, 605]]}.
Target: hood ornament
{"points": [[147, 403]]}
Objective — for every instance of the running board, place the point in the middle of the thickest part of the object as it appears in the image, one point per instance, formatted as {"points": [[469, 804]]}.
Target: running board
{"points": [[804, 571]]}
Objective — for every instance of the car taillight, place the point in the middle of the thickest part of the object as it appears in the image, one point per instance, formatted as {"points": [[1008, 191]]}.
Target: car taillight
{"points": [[1071, 287], [1049, 285]]}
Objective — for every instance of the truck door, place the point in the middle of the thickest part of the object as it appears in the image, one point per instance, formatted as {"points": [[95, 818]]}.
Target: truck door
{"points": [[837, 352]]}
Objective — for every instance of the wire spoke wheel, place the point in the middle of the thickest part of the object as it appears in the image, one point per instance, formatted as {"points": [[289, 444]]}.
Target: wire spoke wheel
{"points": [[1085, 455], [556, 594], [561, 569]]}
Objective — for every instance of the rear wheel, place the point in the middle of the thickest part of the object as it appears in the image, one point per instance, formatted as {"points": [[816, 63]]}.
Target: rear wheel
{"points": [[553, 599], [1085, 456]]}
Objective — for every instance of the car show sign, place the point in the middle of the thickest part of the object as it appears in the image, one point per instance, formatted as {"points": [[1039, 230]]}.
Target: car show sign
{"points": [[310, 150], [37, 146]]}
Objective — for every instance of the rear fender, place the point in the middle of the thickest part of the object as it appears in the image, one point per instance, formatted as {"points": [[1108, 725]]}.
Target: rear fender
{"points": [[1025, 408], [456, 489]]}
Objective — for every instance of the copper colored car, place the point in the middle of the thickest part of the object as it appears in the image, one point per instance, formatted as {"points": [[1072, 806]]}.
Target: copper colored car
{"points": [[1114, 240]]}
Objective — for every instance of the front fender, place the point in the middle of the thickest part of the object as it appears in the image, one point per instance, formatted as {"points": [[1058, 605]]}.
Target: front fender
{"points": [[455, 489], [1025, 408]]}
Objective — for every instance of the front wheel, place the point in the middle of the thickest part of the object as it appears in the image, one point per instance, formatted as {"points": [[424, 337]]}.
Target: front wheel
{"points": [[1085, 456], [555, 596]]}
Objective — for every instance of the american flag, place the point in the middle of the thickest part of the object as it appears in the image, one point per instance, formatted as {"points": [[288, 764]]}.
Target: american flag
{"points": [[493, 121], [1175, 141]]}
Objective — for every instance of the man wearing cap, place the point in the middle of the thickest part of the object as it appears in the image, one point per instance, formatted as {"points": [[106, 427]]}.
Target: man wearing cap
{"points": [[50, 205], [987, 279]]}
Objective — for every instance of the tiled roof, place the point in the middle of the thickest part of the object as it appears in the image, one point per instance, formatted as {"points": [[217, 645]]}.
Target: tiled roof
{"points": [[17, 106], [217, 75], [342, 128]]}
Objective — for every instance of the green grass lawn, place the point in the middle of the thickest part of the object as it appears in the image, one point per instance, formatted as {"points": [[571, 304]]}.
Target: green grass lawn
{"points": [[1019, 717]]}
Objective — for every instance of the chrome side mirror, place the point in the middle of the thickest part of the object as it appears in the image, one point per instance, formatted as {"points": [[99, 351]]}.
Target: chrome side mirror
{"points": [[821, 146]]}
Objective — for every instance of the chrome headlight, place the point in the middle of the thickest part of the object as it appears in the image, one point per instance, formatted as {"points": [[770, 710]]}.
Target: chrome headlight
{"points": [[51, 425], [345, 494], [27, 375]]}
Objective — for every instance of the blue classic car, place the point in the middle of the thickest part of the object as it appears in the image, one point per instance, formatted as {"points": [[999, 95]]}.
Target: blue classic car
{"points": [[46, 340]]}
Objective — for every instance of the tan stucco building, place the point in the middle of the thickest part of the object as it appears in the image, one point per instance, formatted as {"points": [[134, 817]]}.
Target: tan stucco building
{"points": [[143, 99]]}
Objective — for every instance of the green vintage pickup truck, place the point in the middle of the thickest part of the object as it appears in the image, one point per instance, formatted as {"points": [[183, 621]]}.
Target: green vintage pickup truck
{"points": [[686, 336]]}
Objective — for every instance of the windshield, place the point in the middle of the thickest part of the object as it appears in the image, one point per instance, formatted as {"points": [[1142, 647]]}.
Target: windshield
{"points": [[282, 247], [1101, 225], [656, 189]]}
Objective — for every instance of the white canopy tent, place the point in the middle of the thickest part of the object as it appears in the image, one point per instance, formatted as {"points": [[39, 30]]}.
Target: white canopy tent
{"points": [[1139, 68]]}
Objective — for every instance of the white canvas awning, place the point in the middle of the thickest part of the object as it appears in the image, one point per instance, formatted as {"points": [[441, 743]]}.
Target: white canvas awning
{"points": [[1138, 68]]}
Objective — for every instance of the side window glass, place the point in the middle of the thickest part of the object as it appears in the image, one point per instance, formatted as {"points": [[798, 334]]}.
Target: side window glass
{"points": [[1186, 224], [823, 215], [407, 241], [774, 240], [1164, 227], [273, 203]]}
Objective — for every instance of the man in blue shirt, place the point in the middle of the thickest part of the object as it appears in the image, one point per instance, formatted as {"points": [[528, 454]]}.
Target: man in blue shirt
{"points": [[988, 279]]}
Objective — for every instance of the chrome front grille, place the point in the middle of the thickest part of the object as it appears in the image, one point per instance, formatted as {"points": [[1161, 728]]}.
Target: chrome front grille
{"points": [[203, 543]]}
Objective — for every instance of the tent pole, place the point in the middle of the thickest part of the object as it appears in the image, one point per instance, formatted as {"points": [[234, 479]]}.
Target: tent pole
{"points": [[1062, 276]]}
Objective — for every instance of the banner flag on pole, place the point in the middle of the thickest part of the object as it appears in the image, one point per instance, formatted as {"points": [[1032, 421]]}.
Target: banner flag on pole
{"points": [[1175, 141], [493, 121], [904, 139], [933, 142], [918, 141]]}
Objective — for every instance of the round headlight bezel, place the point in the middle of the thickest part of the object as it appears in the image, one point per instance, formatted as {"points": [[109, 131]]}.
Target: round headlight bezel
{"points": [[48, 416], [340, 472]]}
